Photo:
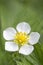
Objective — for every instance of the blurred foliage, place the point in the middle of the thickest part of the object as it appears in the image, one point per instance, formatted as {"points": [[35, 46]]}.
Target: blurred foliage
{"points": [[11, 13]]}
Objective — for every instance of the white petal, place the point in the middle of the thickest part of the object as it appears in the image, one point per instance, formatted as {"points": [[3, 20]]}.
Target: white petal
{"points": [[11, 46], [23, 27], [9, 33], [26, 49], [34, 38]]}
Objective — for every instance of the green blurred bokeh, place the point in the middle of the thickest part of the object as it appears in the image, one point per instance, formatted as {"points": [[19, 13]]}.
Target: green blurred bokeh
{"points": [[11, 13]]}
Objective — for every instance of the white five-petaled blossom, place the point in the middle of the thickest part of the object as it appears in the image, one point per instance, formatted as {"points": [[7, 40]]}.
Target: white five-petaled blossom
{"points": [[20, 40]]}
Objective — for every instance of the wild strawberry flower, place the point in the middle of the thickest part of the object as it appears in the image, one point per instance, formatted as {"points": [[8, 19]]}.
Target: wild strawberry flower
{"points": [[20, 40]]}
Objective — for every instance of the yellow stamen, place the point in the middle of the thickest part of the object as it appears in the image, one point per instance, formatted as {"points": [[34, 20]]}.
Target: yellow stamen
{"points": [[21, 38]]}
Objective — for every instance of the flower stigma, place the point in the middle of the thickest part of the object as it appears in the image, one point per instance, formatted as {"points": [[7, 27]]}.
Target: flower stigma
{"points": [[21, 38]]}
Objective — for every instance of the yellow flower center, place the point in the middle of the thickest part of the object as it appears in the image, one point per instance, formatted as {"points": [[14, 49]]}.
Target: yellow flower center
{"points": [[21, 38]]}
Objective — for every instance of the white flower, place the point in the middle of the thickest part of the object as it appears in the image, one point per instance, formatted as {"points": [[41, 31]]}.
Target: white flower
{"points": [[20, 40]]}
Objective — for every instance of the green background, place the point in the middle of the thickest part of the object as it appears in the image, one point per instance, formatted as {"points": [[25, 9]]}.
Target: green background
{"points": [[11, 13]]}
